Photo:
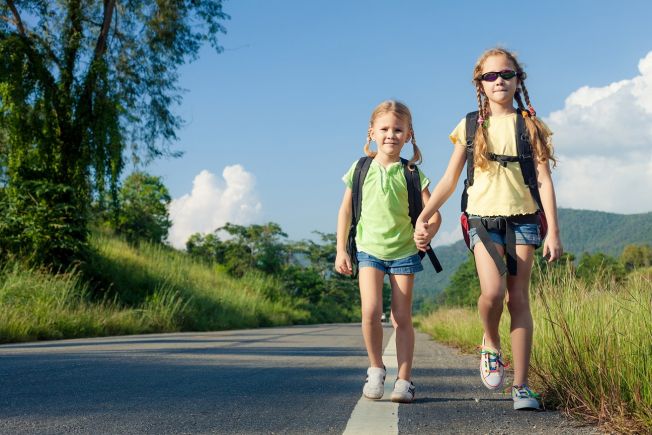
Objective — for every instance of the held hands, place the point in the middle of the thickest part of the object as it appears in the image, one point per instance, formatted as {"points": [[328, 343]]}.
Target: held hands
{"points": [[343, 263], [422, 235], [552, 249]]}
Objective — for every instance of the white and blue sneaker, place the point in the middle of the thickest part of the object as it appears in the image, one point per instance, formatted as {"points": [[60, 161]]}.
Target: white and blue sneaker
{"points": [[374, 387], [403, 391], [524, 398]]}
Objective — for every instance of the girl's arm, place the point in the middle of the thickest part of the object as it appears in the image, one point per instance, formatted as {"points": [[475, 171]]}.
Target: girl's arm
{"points": [[552, 247], [342, 259], [442, 191]]}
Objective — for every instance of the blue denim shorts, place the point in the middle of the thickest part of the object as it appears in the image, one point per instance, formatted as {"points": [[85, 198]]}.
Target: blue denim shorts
{"points": [[526, 234], [402, 266]]}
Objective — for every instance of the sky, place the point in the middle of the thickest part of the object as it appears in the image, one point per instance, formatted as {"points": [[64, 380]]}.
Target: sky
{"points": [[274, 121]]}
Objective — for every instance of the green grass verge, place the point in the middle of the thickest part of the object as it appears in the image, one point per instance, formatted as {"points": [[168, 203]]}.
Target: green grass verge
{"points": [[127, 290], [592, 352]]}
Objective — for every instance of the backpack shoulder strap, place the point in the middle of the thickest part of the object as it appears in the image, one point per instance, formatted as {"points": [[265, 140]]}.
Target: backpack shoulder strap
{"points": [[413, 181], [359, 174], [415, 204], [526, 159], [471, 127]]}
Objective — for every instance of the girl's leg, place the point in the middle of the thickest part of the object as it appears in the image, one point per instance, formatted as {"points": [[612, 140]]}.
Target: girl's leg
{"points": [[371, 297], [518, 304], [492, 293], [402, 310]]}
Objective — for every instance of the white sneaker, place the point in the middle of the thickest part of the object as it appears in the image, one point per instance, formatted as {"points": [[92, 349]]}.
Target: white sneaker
{"points": [[403, 391], [492, 368], [524, 398], [375, 385]]}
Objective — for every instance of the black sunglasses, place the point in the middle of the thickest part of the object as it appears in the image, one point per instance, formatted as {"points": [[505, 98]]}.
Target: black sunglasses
{"points": [[493, 76]]}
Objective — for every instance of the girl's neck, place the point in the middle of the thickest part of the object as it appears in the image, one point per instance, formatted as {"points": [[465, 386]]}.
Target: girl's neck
{"points": [[501, 109], [385, 159]]}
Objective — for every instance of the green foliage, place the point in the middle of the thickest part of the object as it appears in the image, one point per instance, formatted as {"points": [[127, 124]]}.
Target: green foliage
{"points": [[464, 287], [143, 213], [636, 256], [599, 267], [303, 269], [79, 82]]}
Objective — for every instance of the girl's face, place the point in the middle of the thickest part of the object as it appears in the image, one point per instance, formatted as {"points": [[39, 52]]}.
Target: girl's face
{"points": [[500, 91], [390, 132]]}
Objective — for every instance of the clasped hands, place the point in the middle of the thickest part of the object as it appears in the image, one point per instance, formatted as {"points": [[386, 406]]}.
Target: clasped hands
{"points": [[423, 234]]}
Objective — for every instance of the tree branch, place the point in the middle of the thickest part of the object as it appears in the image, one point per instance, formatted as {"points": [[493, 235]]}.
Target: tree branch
{"points": [[100, 46], [18, 20]]}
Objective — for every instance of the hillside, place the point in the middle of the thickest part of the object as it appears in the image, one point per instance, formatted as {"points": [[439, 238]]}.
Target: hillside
{"points": [[581, 231]]}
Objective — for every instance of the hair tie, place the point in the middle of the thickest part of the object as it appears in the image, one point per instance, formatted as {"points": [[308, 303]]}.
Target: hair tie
{"points": [[532, 112], [480, 120], [525, 113]]}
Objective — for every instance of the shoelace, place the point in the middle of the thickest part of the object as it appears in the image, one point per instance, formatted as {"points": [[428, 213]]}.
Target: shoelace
{"points": [[494, 357], [525, 390]]}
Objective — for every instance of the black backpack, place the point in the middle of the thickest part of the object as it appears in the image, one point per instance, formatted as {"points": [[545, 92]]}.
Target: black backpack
{"points": [[415, 203], [525, 160]]}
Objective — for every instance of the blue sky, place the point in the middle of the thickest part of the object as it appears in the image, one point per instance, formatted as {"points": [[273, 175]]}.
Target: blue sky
{"points": [[277, 118]]}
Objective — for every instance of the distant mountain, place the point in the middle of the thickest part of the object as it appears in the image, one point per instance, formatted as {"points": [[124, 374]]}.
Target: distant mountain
{"points": [[581, 231]]}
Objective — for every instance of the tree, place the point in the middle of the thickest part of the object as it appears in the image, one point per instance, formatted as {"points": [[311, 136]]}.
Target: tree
{"points": [[79, 82], [598, 267], [635, 256], [464, 287], [143, 213]]}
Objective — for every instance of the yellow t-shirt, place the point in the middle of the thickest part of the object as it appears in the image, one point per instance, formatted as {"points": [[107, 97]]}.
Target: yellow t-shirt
{"points": [[498, 190]]}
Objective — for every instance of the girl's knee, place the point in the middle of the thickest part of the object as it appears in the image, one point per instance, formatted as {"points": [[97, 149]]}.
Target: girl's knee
{"points": [[371, 317], [403, 320], [493, 297]]}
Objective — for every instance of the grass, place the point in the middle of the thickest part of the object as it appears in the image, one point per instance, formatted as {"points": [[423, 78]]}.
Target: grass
{"points": [[592, 353], [127, 290]]}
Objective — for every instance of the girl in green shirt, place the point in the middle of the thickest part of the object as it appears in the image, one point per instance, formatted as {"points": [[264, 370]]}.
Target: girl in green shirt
{"points": [[384, 238]]}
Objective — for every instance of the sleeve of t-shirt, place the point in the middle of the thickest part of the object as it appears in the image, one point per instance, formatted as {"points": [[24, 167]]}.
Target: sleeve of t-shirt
{"points": [[424, 179], [348, 177], [458, 135]]}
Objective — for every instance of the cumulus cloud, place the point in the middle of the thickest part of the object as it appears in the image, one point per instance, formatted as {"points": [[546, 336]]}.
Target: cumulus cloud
{"points": [[213, 202], [603, 137], [447, 237]]}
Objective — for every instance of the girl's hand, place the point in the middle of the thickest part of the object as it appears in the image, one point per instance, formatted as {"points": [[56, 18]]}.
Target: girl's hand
{"points": [[343, 263], [422, 235], [552, 248]]}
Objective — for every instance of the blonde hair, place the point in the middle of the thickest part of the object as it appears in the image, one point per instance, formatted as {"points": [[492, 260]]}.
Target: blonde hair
{"points": [[539, 134], [403, 112]]}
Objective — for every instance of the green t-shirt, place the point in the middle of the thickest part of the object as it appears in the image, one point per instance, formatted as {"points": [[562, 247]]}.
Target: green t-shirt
{"points": [[385, 229]]}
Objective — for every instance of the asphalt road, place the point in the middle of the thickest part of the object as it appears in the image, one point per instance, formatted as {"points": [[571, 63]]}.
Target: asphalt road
{"points": [[293, 380]]}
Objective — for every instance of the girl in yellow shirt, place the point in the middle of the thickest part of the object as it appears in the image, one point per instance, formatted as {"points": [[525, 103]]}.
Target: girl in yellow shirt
{"points": [[502, 211]]}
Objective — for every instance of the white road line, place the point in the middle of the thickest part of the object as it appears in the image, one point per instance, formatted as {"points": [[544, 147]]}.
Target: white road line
{"points": [[378, 416]]}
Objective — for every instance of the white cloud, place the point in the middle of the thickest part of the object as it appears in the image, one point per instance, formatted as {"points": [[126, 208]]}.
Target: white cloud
{"points": [[603, 137], [447, 237], [214, 202]]}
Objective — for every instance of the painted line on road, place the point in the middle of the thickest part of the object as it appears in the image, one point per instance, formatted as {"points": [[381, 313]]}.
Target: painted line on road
{"points": [[378, 416]]}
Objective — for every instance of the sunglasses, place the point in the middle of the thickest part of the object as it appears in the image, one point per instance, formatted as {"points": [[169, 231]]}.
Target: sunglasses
{"points": [[493, 76]]}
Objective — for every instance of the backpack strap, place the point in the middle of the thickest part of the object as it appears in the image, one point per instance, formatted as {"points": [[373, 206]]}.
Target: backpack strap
{"points": [[471, 127], [526, 159], [359, 174], [415, 204]]}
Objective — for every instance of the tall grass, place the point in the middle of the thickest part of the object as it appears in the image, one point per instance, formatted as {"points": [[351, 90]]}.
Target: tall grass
{"points": [[592, 353], [127, 290]]}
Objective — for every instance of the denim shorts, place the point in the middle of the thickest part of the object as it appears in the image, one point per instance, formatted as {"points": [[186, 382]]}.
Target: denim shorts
{"points": [[402, 266], [526, 234]]}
